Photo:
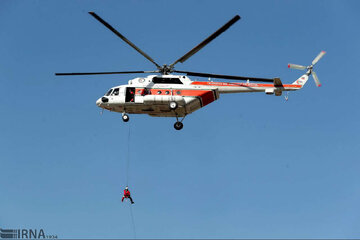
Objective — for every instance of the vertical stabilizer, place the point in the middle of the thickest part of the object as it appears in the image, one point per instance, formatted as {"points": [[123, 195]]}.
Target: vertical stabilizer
{"points": [[302, 80]]}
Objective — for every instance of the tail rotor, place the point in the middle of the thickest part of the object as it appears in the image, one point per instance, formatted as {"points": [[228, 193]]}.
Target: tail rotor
{"points": [[318, 57], [310, 67], [295, 66], [316, 79]]}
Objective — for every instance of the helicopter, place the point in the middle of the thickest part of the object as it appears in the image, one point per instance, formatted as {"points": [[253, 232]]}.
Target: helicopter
{"points": [[165, 94]]}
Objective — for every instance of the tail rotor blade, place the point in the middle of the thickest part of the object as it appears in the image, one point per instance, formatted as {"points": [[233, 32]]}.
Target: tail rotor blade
{"points": [[316, 79], [318, 57], [295, 66]]}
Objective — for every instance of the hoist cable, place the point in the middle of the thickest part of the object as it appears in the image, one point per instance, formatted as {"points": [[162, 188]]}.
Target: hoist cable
{"points": [[128, 157]]}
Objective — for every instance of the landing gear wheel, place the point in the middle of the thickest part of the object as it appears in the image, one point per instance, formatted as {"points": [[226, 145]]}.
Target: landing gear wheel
{"points": [[125, 117], [178, 125], [173, 105]]}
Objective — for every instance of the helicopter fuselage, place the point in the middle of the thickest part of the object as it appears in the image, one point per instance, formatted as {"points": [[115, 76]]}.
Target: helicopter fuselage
{"points": [[153, 94]]}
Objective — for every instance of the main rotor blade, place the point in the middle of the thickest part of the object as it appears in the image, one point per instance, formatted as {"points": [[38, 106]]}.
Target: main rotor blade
{"points": [[123, 38], [210, 75], [318, 57], [296, 66], [316, 79], [103, 73], [207, 40]]}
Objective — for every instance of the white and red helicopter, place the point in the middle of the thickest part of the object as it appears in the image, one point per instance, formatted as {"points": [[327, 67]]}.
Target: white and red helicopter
{"points": [[168, 95]]}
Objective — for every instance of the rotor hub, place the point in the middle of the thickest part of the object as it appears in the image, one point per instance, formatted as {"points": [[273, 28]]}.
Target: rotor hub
{"points": [[166, 69]]}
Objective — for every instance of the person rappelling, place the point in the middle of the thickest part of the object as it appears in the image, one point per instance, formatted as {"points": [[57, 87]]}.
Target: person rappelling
{"points": [[127, 195]]}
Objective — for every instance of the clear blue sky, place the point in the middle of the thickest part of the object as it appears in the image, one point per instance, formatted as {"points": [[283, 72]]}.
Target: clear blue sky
{"points": [[246, 166]]}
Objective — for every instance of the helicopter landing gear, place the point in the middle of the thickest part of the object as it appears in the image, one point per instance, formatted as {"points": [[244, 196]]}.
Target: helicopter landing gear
{"points": [[125, 117], [179, 125], [173, 105]]}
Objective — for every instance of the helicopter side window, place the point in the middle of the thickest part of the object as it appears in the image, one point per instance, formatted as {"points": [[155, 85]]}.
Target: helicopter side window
{"points": [[109, 92], [115, 92]]}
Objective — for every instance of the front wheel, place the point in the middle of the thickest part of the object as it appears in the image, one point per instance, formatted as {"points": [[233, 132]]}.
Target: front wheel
{"points": [[178, 125], [125, 118]]}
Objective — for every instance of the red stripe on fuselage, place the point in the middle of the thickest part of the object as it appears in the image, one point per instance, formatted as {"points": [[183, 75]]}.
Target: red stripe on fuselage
{"points": [[225, 84]]}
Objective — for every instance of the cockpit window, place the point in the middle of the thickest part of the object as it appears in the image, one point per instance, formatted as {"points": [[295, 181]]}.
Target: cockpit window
{"points": [[160, 80], [109, 92], [115, 92]]}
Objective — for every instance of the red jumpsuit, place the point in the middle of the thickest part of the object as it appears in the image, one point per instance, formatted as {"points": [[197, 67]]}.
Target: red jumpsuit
{"points": [[127, 195]]}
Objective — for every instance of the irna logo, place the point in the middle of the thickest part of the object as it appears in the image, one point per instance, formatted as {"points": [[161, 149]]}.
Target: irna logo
{"points": [[25, 234]]}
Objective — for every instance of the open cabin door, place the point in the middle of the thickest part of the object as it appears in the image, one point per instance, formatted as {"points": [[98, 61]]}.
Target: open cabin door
{"points": [[130, 94]]}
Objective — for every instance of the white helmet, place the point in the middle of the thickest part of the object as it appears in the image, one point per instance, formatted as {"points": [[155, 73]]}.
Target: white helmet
{"points": [[126, 188]]}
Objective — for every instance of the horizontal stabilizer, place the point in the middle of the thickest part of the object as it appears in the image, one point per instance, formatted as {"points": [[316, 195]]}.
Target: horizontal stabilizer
{"points": [[278, 83]]}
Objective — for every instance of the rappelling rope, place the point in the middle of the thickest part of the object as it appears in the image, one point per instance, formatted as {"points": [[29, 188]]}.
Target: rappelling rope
{"points": [[132, 221], [127, 179]]}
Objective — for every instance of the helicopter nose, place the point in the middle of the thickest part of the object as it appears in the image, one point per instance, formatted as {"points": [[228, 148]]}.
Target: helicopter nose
{"points": [[98, 102]]}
